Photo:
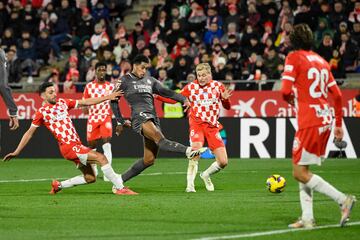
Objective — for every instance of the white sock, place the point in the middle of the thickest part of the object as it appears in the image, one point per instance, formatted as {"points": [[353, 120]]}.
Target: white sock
{"points": [[306, 201], [78, 180], [107, 152], [214, 168], [94, 166], [318, 184], [112, 176], [191, 172]]}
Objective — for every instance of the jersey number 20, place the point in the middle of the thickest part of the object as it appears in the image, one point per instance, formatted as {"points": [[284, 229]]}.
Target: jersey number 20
{"points": [[319, 86]]}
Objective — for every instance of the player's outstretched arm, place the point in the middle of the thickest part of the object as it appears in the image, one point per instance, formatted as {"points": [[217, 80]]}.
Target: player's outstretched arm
{"points": [[337, 97], [93, 101], [159, 89], [24, 141]]}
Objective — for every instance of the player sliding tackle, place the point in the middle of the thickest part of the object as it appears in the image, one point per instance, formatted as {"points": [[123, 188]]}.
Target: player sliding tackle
{"points": [[306, 81], [54, 115], [205, 96], [138, 91]]}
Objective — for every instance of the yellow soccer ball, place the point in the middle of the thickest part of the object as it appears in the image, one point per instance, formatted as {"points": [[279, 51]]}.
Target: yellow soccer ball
{"points": [[275, 183]]}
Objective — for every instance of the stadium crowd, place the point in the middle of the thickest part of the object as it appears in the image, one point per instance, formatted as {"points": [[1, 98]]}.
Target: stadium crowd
{"points": [[241, 39]]}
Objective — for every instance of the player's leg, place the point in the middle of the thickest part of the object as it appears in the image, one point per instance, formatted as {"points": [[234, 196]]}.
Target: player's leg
{"points": [[192, 170], [153, 133], [217, 146], [93, 136], [150, 153], [196, 136], [106, 133], [108, 171]]}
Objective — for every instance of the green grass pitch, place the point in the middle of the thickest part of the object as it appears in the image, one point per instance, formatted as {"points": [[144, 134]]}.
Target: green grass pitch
{"points": [[240, 204]]}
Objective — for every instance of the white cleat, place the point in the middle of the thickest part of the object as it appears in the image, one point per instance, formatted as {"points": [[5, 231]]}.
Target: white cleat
{"points": [[192, 154], [208, 184], [190, 189], [302, 224], [346, 209]]}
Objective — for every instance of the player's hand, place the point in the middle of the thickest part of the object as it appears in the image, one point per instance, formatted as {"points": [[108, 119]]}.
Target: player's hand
{"points": [[226, 94], [119, 129], [291, 100], [186, 105], [338, 133], [14, 123], [9, 156], [127, 124], [115, 95]]}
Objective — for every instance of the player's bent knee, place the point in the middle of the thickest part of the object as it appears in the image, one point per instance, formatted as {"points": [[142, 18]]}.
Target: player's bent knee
{"points": [[89, 178], [148, 161]]}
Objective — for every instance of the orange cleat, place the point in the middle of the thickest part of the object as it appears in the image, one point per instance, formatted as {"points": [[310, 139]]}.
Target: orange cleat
{"points": [[55, 187], [124, 191]]}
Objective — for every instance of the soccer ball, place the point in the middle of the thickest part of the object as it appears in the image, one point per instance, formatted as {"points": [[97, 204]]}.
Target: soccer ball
{"points": [[276, 183]]}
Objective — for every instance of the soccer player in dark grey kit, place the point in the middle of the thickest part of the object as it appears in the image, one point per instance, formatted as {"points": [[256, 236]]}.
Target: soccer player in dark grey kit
{"points": [[5, 93], [138, 92]]}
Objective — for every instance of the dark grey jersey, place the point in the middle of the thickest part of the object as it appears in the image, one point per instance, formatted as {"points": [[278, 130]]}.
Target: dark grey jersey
{"points": [[138, 92]]}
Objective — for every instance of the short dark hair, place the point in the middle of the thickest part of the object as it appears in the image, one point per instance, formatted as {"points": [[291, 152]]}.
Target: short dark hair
{"points": [[100, 64], [44, 86], [140, 58], [301, 37]]}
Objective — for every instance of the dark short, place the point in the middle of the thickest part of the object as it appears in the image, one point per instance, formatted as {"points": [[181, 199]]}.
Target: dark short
{"points": [[138, 119]]}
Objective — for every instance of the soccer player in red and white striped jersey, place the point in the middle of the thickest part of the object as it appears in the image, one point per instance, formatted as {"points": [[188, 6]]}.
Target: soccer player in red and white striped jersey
{"points": [[55, 117], [99, 125]]}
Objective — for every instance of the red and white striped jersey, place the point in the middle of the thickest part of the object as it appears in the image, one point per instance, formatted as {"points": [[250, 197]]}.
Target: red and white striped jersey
{"points": [[56, 118], [98, 112], [205, 101]]}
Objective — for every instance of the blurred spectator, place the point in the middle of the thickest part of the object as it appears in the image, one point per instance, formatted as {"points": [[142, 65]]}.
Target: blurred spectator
{"points": [[211, 33], [197, 18], [231, 32], [285, 16], [72, 78], [253, 16], [323, 27], [13, 67], [325, 49], [84, 27], [219, 70], [122, 45], [183, 68], [354, 16], [44, 21], [66, 12], [15, 23], [338, 14], [139, 32], [54, 78], [213, 17], [306, 15], [4, 16], [90, 75], [27, 57], [355, 34], [43, 47], [98, 36], [59, 33], [181, 42], [115, 74], [234, 63], [163, 77], [173, 34], [100, 11], [8, 39], [337, 65], [146, 21], [349, 51], [233, 17], [271, 63], [268, 33]]}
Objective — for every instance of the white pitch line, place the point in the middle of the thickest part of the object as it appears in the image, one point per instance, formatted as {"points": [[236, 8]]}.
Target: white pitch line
{"points": [[275, 232], [50, 179]]}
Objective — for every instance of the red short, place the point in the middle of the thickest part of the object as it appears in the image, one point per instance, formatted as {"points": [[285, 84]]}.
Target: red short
{"points": [[99, 130], [75, 152], [202, 131], [310, 144]]}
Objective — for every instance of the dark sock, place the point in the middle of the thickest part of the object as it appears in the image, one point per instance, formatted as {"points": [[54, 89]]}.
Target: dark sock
{"points": [[134, 170], [171, 146]]}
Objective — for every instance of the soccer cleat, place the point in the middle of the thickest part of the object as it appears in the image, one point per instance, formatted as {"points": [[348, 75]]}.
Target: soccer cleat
{"points": [[190, 188], [302, 224], [123, 191], [192, 154], [346, 209], [55, 187], [208, 184]]}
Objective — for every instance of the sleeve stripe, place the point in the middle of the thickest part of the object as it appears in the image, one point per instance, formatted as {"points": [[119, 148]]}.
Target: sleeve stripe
{"points": [[288, 78], [76, 104], [332, 84]]}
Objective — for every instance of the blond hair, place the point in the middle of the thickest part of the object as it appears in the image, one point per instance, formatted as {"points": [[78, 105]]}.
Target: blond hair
{"points": [[203, 66]]}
